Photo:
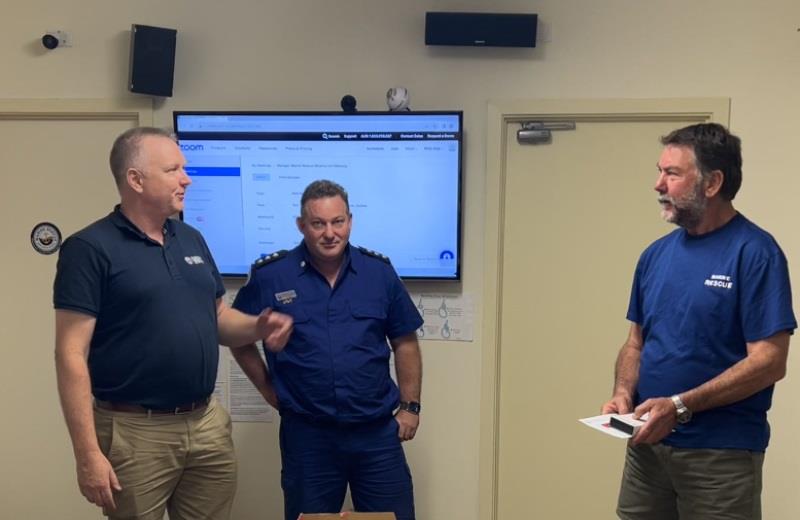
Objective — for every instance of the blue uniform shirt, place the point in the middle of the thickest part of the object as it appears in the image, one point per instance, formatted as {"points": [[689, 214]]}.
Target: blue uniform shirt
{"points": [[699, 301], [155, 339], [335, 367]]}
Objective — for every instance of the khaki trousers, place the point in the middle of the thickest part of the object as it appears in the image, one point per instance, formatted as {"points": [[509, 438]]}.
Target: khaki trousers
{"points": [[183, 464]]}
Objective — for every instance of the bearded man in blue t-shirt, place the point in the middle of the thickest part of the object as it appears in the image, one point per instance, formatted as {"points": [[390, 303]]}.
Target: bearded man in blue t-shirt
{"points": [[711, 315]]}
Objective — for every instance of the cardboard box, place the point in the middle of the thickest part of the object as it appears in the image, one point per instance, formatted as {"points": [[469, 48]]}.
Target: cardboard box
{"points": [[348, 515]]}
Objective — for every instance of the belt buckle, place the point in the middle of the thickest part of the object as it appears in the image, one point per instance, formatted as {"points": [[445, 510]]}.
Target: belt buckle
{"points": [[194, 405]]}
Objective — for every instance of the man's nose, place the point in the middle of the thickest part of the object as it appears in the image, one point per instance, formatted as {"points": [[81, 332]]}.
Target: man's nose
{"points": [[661, 183]]}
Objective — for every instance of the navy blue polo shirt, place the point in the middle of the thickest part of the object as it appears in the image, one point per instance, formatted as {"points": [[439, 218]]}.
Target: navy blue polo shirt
{"points": [[335, 367], [155, 341]]}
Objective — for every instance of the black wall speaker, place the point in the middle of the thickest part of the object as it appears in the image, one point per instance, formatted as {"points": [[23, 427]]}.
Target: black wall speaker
{"points": [[152, 60], [480, 29]]}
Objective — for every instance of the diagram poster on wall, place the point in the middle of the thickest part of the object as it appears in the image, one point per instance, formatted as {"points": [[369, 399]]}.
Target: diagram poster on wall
{"points": [[447, 317]]}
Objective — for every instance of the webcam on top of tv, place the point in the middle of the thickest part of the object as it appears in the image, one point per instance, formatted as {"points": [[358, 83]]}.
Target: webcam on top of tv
{"points": [[348, 103]]}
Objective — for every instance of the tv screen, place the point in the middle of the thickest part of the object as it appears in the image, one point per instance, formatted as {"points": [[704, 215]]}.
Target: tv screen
{"points": [[401, 170]]}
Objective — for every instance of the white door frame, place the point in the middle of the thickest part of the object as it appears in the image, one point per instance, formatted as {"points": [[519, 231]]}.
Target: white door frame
{"points": [[500, 113]]}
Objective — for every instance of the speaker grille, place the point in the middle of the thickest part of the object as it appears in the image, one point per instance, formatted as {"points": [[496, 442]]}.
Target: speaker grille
{"points": [[480, 29], [152, 60]]}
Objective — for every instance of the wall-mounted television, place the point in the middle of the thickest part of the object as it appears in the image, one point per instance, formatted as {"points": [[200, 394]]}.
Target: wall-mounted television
{"points": [[402, 172]]}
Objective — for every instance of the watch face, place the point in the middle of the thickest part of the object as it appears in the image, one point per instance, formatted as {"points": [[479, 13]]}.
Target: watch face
{"points": [[411, 406]]}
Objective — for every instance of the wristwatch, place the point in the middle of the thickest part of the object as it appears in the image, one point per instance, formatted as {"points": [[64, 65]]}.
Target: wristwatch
{"points": [[684, 415], [411, 407]]}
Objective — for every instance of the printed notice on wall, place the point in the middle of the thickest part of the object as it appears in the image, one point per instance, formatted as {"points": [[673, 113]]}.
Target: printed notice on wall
{"points": [[447, 317], [237, 394], [234, 390], [247, 404]]}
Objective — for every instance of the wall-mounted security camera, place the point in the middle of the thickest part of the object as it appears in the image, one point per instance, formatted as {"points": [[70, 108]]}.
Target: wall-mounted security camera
{"points": [[54, 39]]}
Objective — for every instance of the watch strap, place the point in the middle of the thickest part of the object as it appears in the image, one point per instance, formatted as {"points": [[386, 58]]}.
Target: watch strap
{"points": [[411, 407], [682, 412], [676, 400]]}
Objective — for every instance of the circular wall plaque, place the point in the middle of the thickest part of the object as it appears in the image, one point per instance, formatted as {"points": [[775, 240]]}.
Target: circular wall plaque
{"points": [[45, 238]]}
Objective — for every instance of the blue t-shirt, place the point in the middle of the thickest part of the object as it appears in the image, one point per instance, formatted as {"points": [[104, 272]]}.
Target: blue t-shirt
{"points": [[155, 341], [335, 368], [699, 300]]}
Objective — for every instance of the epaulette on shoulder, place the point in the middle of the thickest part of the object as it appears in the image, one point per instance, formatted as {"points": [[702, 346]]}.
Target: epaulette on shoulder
{"points": [[268, 259], [374, 254]]}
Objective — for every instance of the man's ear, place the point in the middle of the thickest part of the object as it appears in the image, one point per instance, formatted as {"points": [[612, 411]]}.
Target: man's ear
{"points": [[299, 222], [714, 183], [134, 178]]}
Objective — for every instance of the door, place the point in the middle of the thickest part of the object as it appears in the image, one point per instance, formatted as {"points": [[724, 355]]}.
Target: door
{"points": [[575, 215], [54, 160]]}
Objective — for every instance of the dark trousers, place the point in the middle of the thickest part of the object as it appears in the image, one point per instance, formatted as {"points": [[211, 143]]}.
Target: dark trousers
{"points": [[320, 460], [665, 483]]}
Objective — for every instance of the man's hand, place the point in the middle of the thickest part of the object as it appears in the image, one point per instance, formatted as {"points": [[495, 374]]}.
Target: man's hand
{"points": [[619, 404], [97, 480], [660, 422], [409, 423], [275, 328]]}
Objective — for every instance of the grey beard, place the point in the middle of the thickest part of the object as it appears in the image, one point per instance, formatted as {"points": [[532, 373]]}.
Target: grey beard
{"points": [[686, 213]]}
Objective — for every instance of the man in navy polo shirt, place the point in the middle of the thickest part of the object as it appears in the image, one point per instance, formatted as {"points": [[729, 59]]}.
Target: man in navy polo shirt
{"points": [[331, 383], [711, 313], [139, 318]]}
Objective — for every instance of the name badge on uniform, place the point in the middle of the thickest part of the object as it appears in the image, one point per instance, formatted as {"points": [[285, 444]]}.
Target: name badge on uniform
{"points": [[286, 297]]}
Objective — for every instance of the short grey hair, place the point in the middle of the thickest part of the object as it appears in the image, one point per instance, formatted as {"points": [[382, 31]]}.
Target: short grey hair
{"points": [[125, 150], [322, 189]]}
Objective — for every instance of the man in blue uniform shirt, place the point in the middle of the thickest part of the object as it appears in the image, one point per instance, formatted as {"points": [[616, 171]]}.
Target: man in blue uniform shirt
{"points": [[711, 315], [331, 383], [139, 319]]}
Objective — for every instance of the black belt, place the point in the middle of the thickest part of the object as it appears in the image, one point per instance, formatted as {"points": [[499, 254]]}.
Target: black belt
{"points": [[135, 408]]}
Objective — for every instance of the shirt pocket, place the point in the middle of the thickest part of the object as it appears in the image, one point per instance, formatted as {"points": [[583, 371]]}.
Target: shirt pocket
{"points": [[301, 323], [298, 314], [369, 323], [367, 352]]}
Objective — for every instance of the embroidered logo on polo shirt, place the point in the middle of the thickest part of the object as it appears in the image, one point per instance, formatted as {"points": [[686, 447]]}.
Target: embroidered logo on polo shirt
{"points": [[719, 280], [193, 260]]}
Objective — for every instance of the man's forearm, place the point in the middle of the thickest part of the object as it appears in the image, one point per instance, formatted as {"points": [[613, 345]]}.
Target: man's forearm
{"points": [[236, 328], [408, 365], [626, 372], [764, 365], [249, 359], [74, 389]]}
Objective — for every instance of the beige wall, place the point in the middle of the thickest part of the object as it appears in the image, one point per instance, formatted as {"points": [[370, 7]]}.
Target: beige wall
{"points": [[305, 54]]}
